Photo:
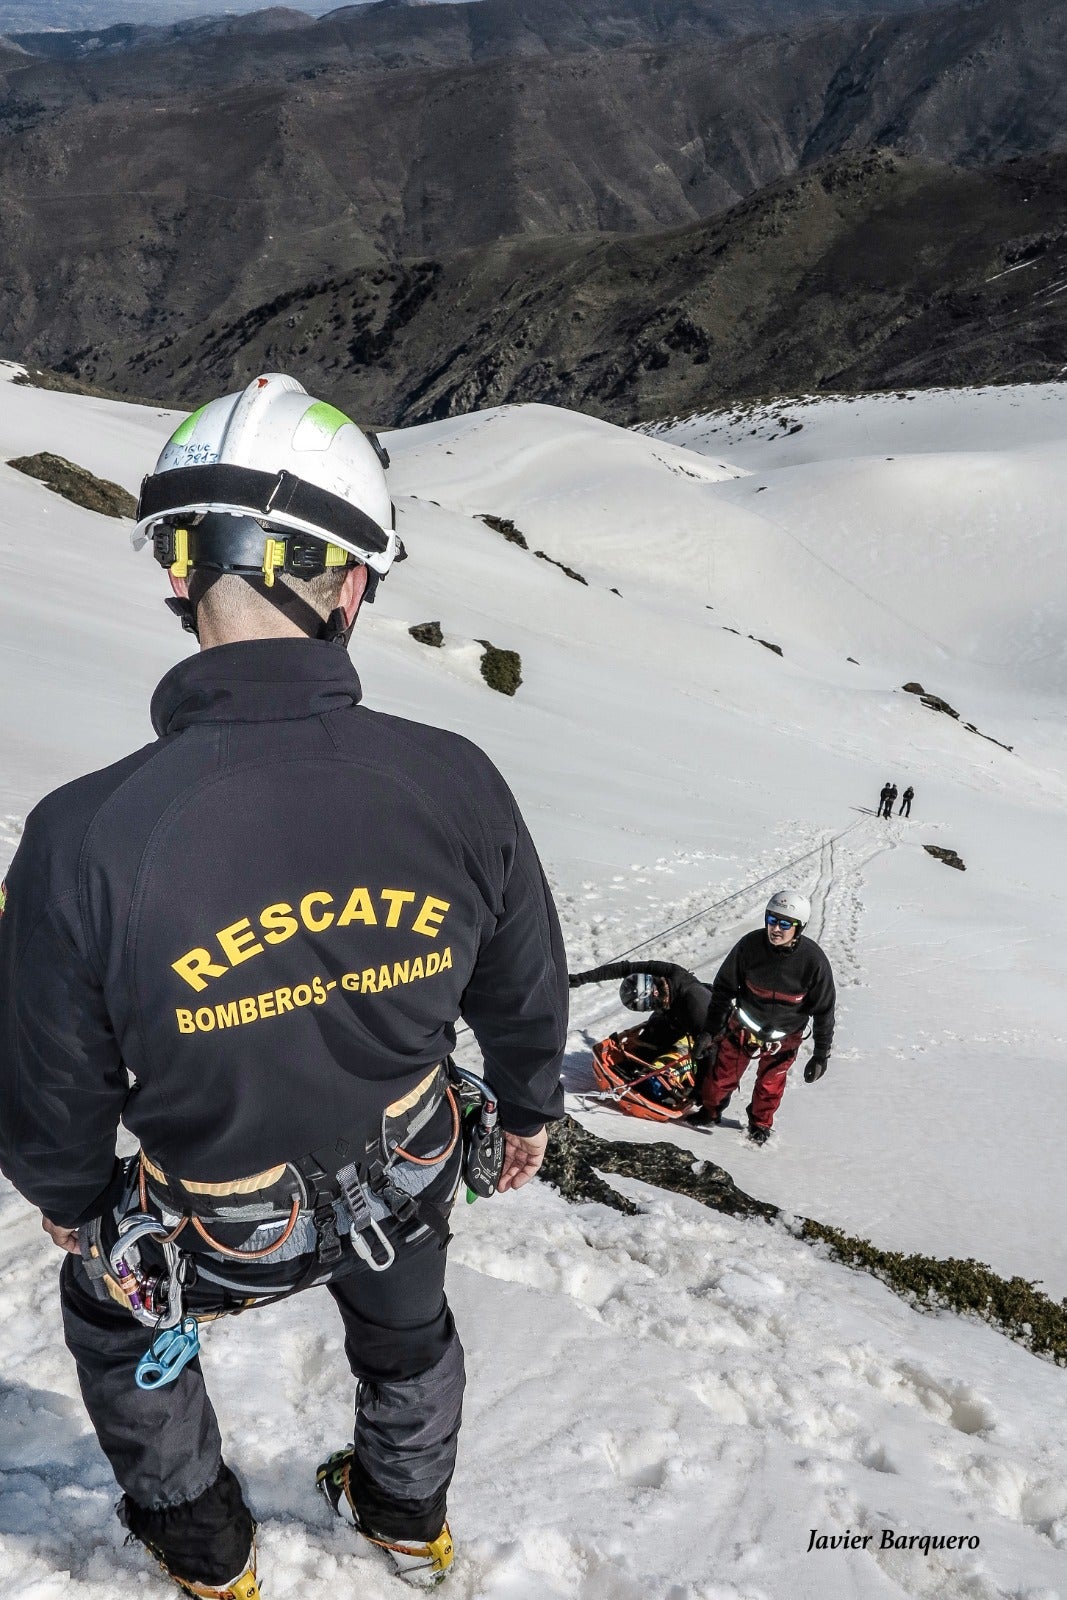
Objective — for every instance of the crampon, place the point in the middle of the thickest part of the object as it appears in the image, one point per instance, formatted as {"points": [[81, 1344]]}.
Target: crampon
{"points": [[418, 1561]]}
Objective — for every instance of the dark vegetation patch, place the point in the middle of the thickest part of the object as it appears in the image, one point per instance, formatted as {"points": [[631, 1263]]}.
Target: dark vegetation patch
{"points": [[428, 633], [63, 383], [505, 526], [575, 1159], [949, 857], [501, 669], [543, 556], [1013, 1305], [77, 484], [935, 702]]}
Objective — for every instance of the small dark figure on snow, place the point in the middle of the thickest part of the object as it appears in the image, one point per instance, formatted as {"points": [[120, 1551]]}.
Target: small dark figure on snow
{"points": [[885, 799], [770, 985], [905, 802]]}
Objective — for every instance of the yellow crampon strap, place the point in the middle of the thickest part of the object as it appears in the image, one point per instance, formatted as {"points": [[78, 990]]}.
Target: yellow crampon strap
{"points": [[434, 1557], [246, 1587]]}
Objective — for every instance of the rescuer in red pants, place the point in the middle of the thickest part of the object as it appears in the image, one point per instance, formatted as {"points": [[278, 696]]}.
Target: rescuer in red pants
{"points": [[773, 982], [738, 1049]]}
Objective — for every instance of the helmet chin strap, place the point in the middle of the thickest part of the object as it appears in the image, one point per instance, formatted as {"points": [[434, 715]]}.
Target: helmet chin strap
{"points": [[334, 629]]}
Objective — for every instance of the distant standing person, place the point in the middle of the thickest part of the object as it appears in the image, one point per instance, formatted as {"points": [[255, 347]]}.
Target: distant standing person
{"points": [[905, 801], [770, 985], [884, 799]]}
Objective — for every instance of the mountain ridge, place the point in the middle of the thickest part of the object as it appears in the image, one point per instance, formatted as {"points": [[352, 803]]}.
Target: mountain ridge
{"points": [[870, 271]]}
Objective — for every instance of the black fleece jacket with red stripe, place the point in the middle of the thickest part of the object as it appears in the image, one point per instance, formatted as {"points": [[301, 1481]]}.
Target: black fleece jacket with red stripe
{"points": [[778, 986]]}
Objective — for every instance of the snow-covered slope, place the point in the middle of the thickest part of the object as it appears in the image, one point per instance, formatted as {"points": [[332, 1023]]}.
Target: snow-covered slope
{"points": [[666, 1406]]}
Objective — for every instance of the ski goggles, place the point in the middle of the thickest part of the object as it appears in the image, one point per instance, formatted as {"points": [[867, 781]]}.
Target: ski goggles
{"points": [[782, 922]]}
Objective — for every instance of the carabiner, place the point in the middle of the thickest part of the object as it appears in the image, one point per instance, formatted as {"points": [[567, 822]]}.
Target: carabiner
{"points": [[365, 1251]]}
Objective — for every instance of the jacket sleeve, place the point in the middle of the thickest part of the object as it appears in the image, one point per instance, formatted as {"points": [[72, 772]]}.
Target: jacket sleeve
{"points": [[823, 998], [517, 1000], [724, 991], [62, 1081], [627, 969]]}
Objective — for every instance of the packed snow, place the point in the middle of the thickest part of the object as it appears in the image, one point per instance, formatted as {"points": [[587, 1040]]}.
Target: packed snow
{"points": [[674, 1404]]}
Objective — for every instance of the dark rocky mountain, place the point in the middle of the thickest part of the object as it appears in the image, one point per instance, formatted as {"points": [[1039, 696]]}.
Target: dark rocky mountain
{"points": [[120, 37], [152, 191], [874, 271], [398, 34], [129, 213], [40, 15]]}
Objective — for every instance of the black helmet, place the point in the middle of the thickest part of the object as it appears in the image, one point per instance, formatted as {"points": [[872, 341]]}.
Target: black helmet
{"points": [[642, 992]]}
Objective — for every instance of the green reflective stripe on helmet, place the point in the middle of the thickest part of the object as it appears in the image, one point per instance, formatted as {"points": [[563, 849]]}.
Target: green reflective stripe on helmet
{"points": [[319, 426], [188, 428]]}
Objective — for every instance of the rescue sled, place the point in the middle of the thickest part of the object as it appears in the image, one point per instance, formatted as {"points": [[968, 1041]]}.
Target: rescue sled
{"points": [[661, 1087]]}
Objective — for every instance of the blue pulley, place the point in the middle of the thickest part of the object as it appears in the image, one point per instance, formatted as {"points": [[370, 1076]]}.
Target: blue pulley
{"points": [[169, 1353]]}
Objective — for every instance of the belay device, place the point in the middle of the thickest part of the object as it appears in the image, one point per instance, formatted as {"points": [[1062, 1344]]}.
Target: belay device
{"points": [[483, 1137]]}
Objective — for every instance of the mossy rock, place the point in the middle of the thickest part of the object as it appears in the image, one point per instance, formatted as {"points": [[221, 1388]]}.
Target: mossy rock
{"points": [[77, 484], [1014, 1305], [505, 526], [575, 1158], [501, 669], [428, 633], [542, 555], [949, 857]]}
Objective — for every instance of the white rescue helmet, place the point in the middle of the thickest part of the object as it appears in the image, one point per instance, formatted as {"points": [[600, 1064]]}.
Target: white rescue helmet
{"points": [[789, 903], [313, 481]]}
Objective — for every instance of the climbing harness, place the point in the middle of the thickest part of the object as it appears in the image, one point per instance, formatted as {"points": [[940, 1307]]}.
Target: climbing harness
{"points": [[296, 1220], [753, 1037]]}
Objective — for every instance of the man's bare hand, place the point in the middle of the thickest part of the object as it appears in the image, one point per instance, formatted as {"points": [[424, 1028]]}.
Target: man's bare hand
{"points": [[522, 1157], [65, 1238]]}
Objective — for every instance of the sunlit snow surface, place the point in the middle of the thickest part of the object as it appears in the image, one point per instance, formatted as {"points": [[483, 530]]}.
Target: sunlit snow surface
{"points": [[665, 1406]]}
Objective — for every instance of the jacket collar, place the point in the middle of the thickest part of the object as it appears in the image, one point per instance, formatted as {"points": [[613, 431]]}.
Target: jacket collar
{"points": [[258, 680]]}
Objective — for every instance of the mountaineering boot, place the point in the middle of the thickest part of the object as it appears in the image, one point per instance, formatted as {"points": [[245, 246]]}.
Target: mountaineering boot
{"points": [[213, 1533], [422, 1562], [758, 1135], [705, 1117], [243, 1587]]}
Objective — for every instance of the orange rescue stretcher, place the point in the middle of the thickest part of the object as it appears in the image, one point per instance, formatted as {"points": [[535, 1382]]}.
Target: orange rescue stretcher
{"points": [[659, 1086]]}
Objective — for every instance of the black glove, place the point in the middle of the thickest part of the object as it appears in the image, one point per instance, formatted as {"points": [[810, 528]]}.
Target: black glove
{"points": [[815, 1069], [706, 1047]]}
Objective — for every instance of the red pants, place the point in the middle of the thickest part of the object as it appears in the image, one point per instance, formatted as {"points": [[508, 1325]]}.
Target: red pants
{"points": [[730, 1066]]}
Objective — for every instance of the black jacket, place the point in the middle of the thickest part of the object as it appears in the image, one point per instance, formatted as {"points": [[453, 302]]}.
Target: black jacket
{"points": [[270, 919], [777, 986], [689, 997]]}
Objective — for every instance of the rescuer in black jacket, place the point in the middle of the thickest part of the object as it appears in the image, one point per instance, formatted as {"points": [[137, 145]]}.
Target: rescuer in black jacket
{"points": [[249, 942], [772, 983], [676, 1000]]}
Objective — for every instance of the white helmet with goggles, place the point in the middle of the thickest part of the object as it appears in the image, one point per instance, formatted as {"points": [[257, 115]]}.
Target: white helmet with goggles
{"points": [[268, 481], [789, 905]]}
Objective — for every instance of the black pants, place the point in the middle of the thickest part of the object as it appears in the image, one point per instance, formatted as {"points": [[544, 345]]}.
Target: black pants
{"points": [[164, 1445], [905, 809]]}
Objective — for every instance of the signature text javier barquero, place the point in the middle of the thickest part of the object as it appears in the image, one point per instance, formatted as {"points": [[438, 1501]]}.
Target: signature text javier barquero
{"points": [[890, 1539]]}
